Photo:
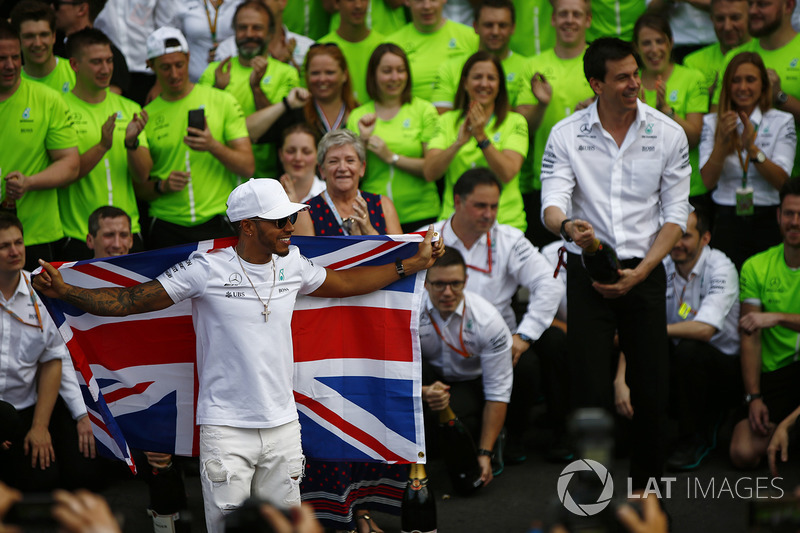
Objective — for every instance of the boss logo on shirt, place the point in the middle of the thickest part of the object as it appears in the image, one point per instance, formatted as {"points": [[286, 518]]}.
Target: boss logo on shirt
{"points": [[648, 148], [282, 290]]}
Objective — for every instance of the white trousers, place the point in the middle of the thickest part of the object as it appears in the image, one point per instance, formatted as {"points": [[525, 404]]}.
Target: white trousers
{"points": [[238, 463]]}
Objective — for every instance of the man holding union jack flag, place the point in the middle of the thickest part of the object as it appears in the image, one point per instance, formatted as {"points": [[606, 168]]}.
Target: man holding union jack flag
{"points": [[242, 302]]}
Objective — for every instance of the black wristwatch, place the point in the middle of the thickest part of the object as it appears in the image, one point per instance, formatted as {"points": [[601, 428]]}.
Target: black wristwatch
{"points": [[398, 265], [750, 397], [132, 146], [564, 234], [484, 144], [487, 453]]}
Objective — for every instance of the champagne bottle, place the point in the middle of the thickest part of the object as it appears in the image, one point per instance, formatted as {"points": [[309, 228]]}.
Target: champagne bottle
{"points": [[460, 453], [418, 511], [601, 262], [168, 503]]}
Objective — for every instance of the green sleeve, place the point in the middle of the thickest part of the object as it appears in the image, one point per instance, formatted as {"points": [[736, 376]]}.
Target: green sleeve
{"points": [[443, 137], [517, 134], [697, 93], [749, 282], [430, 122], [235, 125], [447, 82], [60, 134], [207, 77]]}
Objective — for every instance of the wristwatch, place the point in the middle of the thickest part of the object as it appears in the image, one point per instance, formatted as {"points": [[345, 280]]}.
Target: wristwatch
{"points": [[395, 159], [564, 234], [781, 98], [398, 265], [750, 397], [132, 146], [484, 144], [524, 337], [759, 158], [487, 453]]}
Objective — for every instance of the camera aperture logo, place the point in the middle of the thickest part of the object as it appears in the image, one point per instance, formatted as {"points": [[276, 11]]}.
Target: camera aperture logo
{"points": [[586, 509]]}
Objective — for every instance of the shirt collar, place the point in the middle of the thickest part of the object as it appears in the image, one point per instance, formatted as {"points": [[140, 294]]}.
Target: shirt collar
{"points": [[22, 287], [438, 317], [756, 116], [641, 113]]}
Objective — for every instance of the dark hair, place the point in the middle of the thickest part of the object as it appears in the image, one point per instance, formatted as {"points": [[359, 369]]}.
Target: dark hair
{"points": [[501, 105], [472, 178], [106, 211], [9, 220], [372, 69], [83, 38], [95, 7], [450, 257], [300, 127], [791, 187], [497, 4], [255, 5], [701, 212], [7, 32], [350, 103], [606, 49], [725, 101], [33, 10], [654, 22]]}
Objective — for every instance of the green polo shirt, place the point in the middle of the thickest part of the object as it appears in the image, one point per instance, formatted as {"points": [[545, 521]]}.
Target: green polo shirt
{"points": [[110, 181], [412, 126], [278, 80], [211, 183], [357, 56], [519, 92], [569, 87], [426, 51], [687, 92], [61, 79], [614, 18], [533, 33], [709, 61], [512, 134], [307, 17], [380, 17], [35, 119]]}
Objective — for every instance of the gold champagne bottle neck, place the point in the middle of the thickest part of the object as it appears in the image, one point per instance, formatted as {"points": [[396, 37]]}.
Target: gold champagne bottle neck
{"points": [[592, 248]]}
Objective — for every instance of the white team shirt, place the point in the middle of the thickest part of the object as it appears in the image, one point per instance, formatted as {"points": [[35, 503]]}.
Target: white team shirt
{"points": [[515, 262], [244, 365], [128, 23], [24, 347], [486, 338], [776, 138], [625, 192], [711, 295]]}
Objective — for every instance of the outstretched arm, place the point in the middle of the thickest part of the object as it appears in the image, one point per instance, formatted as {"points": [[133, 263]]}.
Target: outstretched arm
{"points": [[111, 301]]}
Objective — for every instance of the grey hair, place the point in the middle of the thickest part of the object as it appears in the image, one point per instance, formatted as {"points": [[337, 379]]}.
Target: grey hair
{"points": [[340, 138]]}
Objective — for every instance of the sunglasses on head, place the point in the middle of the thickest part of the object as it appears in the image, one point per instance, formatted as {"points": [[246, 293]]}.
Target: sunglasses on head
{"points": [[280, 223]]}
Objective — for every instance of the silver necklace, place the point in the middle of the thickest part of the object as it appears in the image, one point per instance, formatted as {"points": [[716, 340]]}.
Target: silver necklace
{"points": [[266, 310]]}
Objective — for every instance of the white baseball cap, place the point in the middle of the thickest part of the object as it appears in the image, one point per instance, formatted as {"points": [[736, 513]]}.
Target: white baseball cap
{"points": [[261, 198], [157, 42]]}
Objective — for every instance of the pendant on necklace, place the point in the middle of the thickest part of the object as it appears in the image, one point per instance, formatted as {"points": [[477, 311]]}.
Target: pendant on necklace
{"points": [[266, 313]]}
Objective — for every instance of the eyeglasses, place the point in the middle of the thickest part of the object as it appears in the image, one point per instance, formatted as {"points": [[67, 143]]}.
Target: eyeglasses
{"points": [[439, 286], [280, 223]]}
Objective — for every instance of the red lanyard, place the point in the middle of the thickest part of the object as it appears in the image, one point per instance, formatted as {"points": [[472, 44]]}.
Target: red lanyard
{"points": [[33, 301], [488, 252], [463, 351]]}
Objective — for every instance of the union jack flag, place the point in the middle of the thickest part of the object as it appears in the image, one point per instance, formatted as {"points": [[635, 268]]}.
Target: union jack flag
{"points": [[357, 360]]}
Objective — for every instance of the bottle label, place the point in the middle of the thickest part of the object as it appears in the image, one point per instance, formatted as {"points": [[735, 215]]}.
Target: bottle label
{"points": [[417, 484]]}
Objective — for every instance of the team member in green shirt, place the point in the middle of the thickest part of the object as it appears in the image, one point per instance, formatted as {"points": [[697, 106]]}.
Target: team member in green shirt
{"points": [[383, 16], [730, 25], [356, 41], [769, 292], [430, 39], [308, 17], [677, 91], [194, 169], [35, 22], [114, 151], [39, 154], [558, 84], [614, 18], [252, 77], [481, 131], [396, 129], [534, 34], [494, 24]]}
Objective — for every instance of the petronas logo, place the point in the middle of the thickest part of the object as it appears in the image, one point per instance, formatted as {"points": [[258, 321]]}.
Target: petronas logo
{"points": [[27, 113]]}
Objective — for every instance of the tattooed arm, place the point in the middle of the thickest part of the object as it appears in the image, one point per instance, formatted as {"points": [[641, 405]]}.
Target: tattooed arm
{"points": [[112, 301]]}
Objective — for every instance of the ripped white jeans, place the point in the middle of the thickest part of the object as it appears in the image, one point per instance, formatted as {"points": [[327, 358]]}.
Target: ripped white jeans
{"points": [[237, 463]]}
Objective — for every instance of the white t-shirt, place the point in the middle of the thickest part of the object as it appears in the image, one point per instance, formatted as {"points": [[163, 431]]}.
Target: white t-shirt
{"points": [[486, 338], [244, 365]]}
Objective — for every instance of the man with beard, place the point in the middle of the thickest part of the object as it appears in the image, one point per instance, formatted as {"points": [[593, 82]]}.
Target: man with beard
{"points": [[778, 44], [769, 326], [249, 428], [254, 78]]}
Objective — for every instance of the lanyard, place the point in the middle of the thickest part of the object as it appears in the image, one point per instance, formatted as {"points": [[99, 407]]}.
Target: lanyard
{"points": [[488, 252], [36, 307], [684, 310], [335, 212], [463, 351], [212, 26], [336, 123], [744, 162]]}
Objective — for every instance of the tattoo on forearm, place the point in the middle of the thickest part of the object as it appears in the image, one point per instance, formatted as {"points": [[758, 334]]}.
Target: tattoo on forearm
{"points": [[117, 301]]}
